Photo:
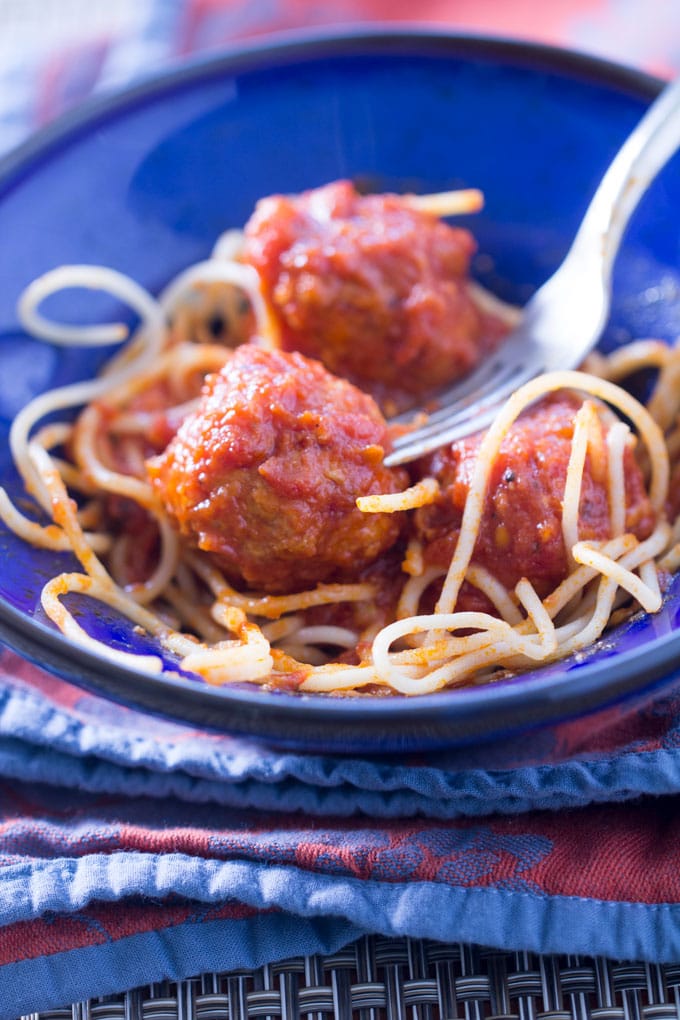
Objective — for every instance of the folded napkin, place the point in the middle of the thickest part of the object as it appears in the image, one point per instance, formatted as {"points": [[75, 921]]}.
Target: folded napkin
{"points": [[54, 733], [133, 848]]}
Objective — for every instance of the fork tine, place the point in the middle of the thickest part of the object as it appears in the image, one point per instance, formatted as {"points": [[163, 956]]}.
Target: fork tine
{"points": [[421, 445], [458, 423], [456, 393], [485, 396], [489, 386]]}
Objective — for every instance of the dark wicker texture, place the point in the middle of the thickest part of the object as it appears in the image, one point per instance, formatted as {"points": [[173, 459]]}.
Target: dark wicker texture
{"points": [[405, 979]]}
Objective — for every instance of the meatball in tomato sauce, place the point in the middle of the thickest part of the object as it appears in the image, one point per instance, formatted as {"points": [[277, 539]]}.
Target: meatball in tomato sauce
{"points": [[265, 474], [373, 288], [521, 528]]}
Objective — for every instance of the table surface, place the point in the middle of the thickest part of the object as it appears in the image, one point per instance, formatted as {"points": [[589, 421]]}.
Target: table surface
{"points": [[391, 979]]}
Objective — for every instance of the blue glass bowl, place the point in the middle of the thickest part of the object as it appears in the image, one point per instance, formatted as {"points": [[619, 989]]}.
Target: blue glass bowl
{"points": [[145, 181]]}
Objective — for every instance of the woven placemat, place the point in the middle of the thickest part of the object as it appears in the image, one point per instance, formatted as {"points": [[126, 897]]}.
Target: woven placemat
{"points": [[395, 979]]}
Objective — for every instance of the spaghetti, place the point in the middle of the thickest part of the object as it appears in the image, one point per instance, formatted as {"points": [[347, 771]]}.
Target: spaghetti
{"points": [[392, 592]]}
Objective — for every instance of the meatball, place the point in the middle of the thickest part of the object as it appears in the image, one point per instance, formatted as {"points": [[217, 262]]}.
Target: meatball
{"points": [[265, 474], [521, 529], [372, 288]]}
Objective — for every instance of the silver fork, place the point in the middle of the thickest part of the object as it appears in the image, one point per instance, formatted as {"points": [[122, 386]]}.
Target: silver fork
{"points": [[564, 319]]}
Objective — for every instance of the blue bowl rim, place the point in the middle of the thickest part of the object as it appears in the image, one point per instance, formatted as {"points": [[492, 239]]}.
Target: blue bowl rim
{"points": [[469, 712], [298, 45]]}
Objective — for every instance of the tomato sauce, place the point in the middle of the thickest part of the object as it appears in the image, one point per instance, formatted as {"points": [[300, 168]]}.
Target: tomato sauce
{"points": [[521, 528], [265, 474], [374, 289]]}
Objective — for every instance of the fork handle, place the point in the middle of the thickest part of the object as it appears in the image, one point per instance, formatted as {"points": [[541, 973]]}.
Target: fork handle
{"points": [[646, 150]]}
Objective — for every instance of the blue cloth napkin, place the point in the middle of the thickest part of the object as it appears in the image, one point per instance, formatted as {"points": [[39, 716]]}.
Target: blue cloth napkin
{"points": [[54, 733]]}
